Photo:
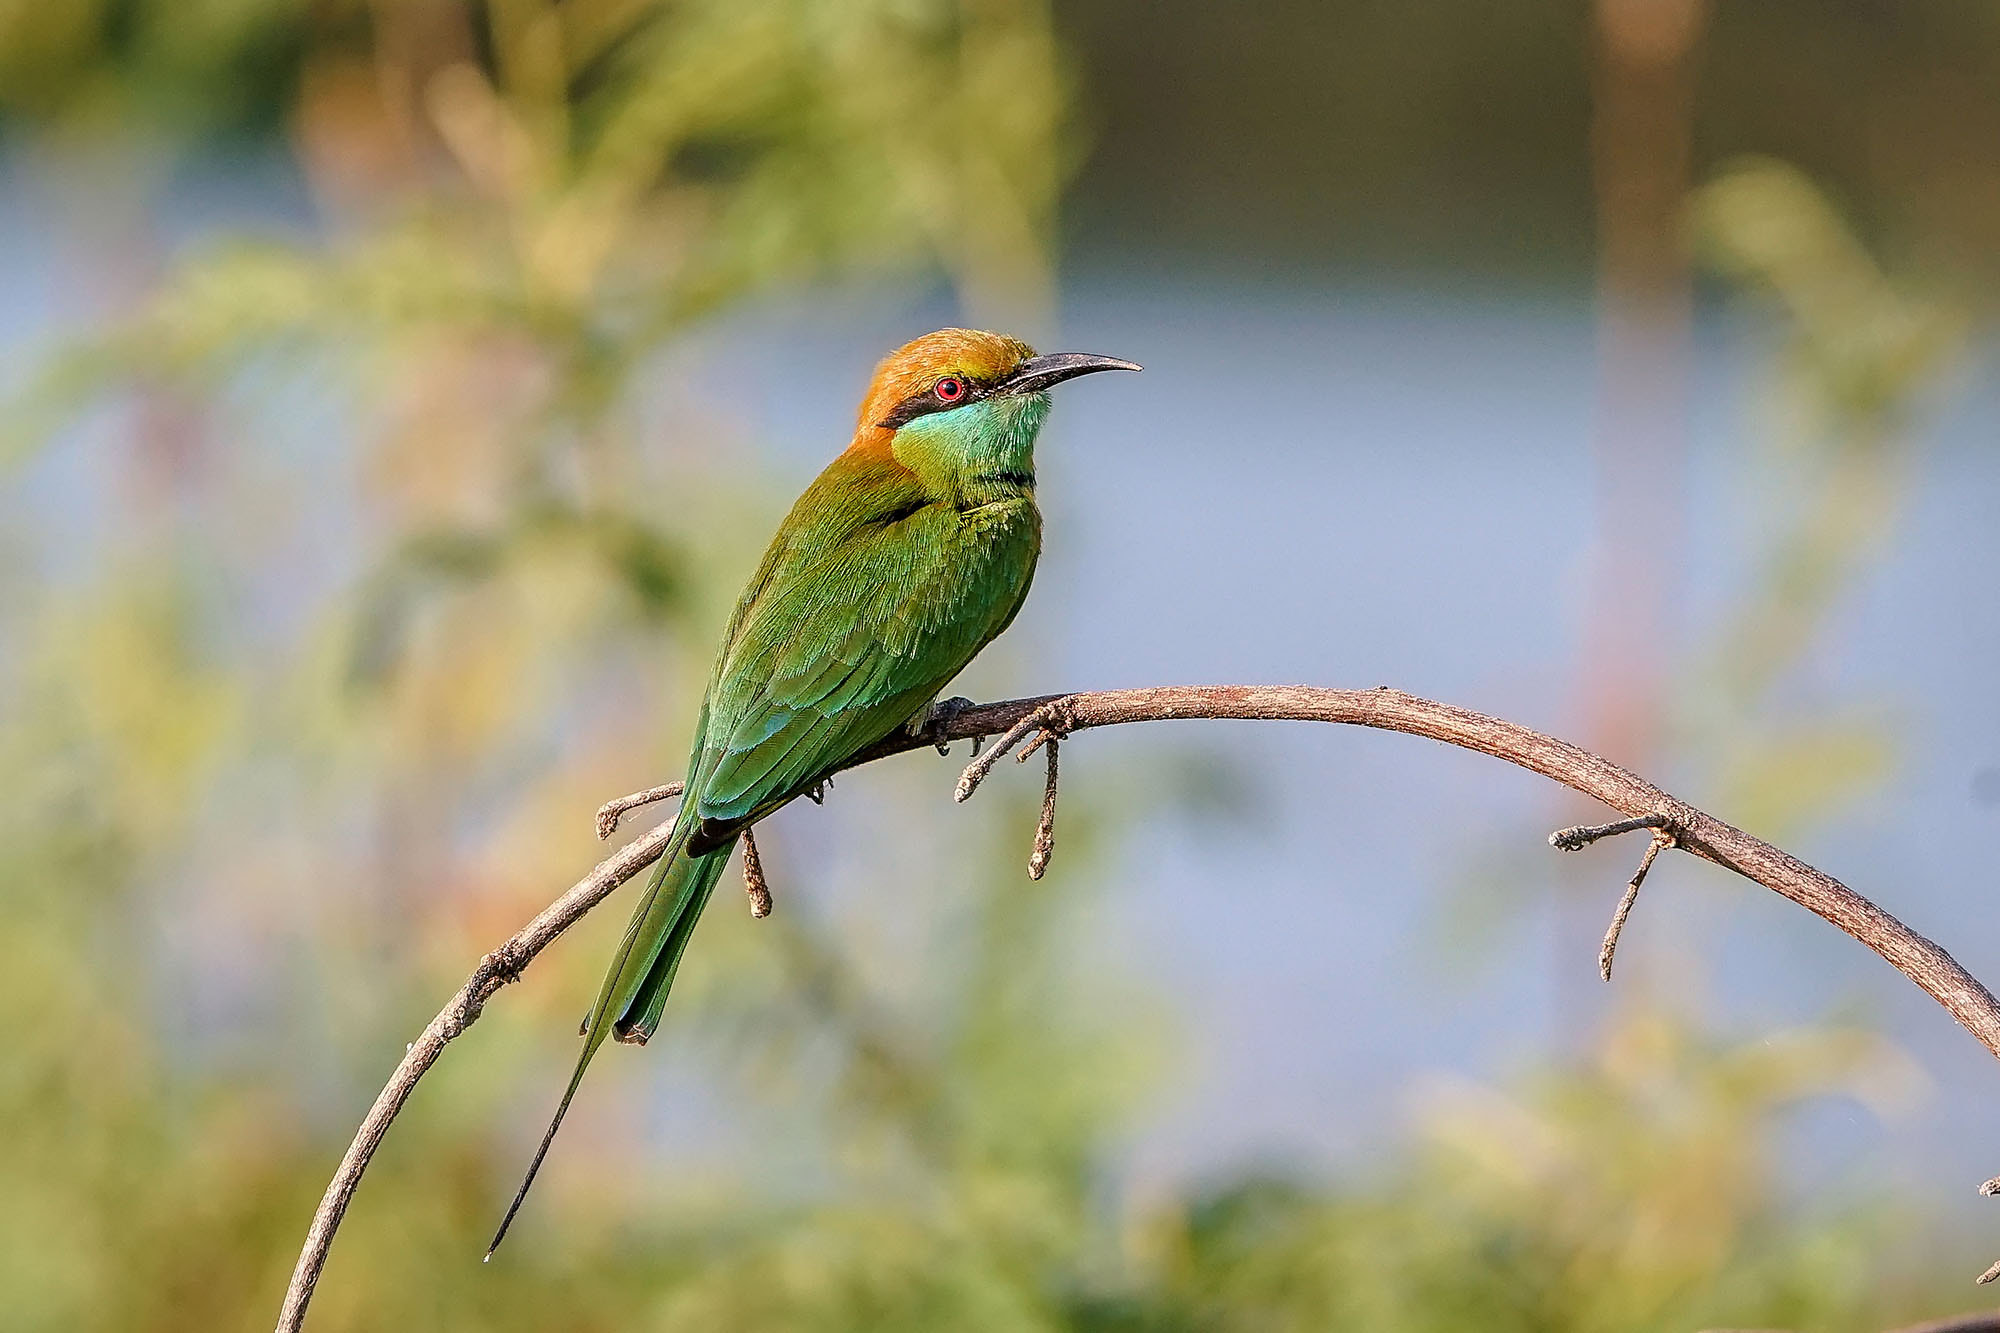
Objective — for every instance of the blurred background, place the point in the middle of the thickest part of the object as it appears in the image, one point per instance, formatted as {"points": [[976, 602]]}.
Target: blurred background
{"points": [[398, 392]]}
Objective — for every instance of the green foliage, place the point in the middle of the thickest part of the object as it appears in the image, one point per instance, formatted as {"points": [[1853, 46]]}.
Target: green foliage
{"points": [[1631, 1191], [182, 65], [1861, 357]]}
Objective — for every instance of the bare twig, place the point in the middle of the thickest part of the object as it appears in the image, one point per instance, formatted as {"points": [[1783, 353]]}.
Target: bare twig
{"points": [[1576, 839], [1580, 837], [1695, 832], [1660, 840], [611, 812], [1051, 718], [503, 965], [1045, 832], [753, 878]]}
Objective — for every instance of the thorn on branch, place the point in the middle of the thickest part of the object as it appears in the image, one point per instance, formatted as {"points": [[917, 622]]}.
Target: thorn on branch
{"points": [[753, 879], [1045, 832], [495, 970], [503, 965], [1052, 720], [611, 812]]}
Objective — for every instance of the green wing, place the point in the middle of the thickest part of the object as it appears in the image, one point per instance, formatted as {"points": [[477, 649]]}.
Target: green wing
{"points": [[872, 604], [870, 599]]}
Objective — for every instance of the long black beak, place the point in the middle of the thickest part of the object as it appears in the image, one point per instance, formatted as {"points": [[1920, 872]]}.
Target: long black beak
{"points": [[1043, 372]]}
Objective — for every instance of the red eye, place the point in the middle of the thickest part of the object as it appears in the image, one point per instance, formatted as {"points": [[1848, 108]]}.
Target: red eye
{"points": [[949, 389]]}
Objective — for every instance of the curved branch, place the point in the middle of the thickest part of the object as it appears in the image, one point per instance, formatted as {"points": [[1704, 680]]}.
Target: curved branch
{"points": [[1693, 831], [495, 970]]}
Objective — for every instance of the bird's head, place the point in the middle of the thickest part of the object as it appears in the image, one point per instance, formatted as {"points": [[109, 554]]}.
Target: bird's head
{"points": [[967, 399]]}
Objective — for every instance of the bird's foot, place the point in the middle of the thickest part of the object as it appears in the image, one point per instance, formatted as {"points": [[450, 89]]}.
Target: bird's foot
{"points": [[935, 724]]}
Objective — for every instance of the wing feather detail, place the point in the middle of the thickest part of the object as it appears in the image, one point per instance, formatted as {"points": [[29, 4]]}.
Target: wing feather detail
{"points": [[849, 629]]}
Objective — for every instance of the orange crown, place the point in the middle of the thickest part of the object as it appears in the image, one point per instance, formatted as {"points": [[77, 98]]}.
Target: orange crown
{"points": [[920, 363]]}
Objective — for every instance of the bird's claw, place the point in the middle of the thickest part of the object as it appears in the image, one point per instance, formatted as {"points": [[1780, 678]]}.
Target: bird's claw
{"points": [[939, 719]]}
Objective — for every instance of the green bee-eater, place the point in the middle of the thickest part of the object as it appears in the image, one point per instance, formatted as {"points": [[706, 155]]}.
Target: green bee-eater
{"points": [[904, 558]]}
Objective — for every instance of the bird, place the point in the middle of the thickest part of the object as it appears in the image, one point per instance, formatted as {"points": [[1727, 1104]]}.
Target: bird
{"points": [[908, 554]]}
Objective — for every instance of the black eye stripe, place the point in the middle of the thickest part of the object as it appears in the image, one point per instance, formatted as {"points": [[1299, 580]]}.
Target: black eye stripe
{"points": [[926, 401]]}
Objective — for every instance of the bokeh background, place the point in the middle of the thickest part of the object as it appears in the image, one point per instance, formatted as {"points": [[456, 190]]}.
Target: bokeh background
{"points": [[398, 392]]}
